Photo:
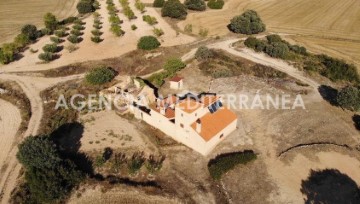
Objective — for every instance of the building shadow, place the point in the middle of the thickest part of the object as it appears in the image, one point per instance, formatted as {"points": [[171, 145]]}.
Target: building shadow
{"points": [[68, 139], [330, 186], [329, 94]]}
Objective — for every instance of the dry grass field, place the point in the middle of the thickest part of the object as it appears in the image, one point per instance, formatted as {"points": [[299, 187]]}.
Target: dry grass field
{"points": [[331, 24], [15, 13]]}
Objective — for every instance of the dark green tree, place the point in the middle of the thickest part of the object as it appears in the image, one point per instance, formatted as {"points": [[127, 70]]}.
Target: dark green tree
{"points": [[85, 6], [174, 9], [216, 4], [247, 23], [158, 3], [148, 43], [173, 65], [30, 31], [50, 21], [203, 53], [349, 98], [99, 75], [197, 5]]}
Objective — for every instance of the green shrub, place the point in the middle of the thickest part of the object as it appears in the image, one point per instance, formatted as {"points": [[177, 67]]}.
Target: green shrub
{"points": [[148, 43], [45, 31], [96, 32], [21, 40], [73, 39], [60, 33], [133, 27], [97, 21], [273, 38], [114, 19], [78, 27], [85, 6], [96, 39], [247, 23], [349, 98], [78, 22], [47, 56], [50, 22], [68, 20], [188, 28], [203, 32], [129, 13], [8, 53], [203, 53], [116, 30], [140, 6], [158, 32], [30, 31], [277, 50], [298, 49], [55, 39], [96, 5], [226, 162], [197, 5], [154, 164], [150, 20], [76, 32], [50, 48], [157, 79], [174, 9], [336, 69], [99, 76], [136, 162], [158, 3], [216, 4], [97, 26], [173, 65]]}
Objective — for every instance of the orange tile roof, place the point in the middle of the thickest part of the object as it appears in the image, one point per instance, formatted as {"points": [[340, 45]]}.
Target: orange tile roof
{"points": [[209, 99], [212, 124], [189, 105], [169, 112], [176, 79]]}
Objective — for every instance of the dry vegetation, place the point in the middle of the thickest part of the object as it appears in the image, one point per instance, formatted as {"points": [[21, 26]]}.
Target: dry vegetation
{"points": [[326, 26], [15, 13]]}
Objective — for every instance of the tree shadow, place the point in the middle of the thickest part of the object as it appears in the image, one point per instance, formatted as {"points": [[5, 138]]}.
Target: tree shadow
{"points": [[330, 186], [356, 119], [329, 94], [67, 137]]}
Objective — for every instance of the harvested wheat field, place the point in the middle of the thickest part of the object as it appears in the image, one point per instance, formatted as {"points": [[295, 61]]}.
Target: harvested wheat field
{"points": [[324, 19], [16, 13]]}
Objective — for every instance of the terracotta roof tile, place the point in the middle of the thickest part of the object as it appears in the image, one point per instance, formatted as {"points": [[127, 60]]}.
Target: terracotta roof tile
{"points": [[176, 79], [209, 99], [189, 105], [214, 123]]}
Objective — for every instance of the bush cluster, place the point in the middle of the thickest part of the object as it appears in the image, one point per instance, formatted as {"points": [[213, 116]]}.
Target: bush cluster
{"points": [[148, 43], [197, 5], [140, 6], [99, 75], [74, 39], [150, 19], [226, 162], [247, 23], [349, 98], [203, 53], [158, 32], [96, 32], [216, 4], [336, 69], [174, 9], [173, 65], [50, 48], [85, 6]]}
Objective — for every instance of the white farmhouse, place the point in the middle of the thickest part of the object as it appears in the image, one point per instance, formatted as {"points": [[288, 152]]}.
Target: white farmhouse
{"points": [[198, 122], [176, 83]]}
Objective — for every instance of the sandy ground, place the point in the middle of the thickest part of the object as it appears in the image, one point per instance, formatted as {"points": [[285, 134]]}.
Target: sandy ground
{"points": [[10, 120], [16, 13], [112, 46], [107, 129]]}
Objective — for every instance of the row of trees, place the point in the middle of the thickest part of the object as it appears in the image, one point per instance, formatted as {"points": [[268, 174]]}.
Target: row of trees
{"points": [[114, 19], [196, 5], [97, 26]]}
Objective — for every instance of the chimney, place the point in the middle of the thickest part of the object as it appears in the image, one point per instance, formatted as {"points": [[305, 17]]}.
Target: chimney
{"points": [[162, 110], [198, 125]]}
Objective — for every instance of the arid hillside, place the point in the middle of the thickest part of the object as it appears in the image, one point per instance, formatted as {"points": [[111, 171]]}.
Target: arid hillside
{"points": [[15, 13]]}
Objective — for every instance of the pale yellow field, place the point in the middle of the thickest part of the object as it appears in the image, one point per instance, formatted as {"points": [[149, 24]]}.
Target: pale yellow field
{"points": [[333, 19], [15, 13]]}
